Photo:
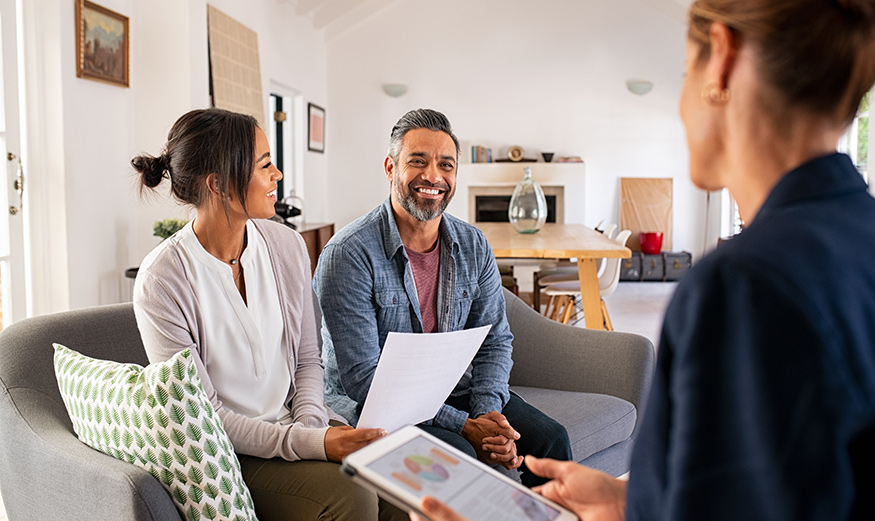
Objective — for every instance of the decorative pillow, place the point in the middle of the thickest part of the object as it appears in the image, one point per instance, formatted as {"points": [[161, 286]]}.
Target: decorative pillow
{"points": [[160, 419]]}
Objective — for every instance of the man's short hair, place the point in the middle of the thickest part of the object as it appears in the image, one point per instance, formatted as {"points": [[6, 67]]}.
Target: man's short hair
{"points": [[415, 119]]}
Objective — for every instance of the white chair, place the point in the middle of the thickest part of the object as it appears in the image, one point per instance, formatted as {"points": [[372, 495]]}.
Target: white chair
{"points": [[563, 294], [568, 273]]}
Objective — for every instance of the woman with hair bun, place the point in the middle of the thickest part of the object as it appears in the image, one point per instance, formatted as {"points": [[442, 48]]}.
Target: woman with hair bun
{"points": [[763, 402], [235, 288]]}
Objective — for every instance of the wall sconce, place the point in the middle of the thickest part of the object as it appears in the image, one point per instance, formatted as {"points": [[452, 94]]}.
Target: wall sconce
{"points": [[395, 89], [639, 87]]}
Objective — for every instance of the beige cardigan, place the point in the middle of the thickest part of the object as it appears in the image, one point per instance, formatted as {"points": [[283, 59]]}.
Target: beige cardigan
{"points": [[169, 319]]}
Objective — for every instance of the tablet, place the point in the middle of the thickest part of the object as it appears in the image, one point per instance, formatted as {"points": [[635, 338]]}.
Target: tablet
{"points": [[410, 463]]}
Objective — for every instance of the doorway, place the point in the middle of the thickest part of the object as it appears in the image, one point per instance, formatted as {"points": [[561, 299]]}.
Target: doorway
{"points": [[12, 192]]}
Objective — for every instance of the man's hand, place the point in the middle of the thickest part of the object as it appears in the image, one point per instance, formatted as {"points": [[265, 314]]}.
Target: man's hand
{"points": [[589, 493], [341, 441], [436, 511], [493, 439]]}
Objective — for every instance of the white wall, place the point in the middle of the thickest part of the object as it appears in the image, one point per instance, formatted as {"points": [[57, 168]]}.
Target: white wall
{"points": [[548, 76], [102, 221]]}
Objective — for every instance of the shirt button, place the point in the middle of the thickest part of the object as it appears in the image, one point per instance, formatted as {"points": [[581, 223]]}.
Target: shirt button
{"points": [[465, 294], [394, 300]]}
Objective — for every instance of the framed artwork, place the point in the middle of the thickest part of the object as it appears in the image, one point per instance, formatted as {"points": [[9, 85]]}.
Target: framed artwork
{"points": [[101, 44], [316, 128]]}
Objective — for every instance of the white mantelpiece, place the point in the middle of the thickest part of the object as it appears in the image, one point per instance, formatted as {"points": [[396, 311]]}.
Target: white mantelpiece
{"points": [[505, 176]]}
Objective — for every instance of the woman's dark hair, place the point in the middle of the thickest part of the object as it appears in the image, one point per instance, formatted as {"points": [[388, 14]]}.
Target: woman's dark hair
{"points": [[200, 143], [813, 54]]}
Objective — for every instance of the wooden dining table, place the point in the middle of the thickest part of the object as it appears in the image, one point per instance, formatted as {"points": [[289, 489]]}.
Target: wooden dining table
{"points": [[561, 241]]}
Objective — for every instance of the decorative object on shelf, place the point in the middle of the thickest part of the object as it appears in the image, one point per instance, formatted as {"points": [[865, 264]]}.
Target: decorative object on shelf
{"points": [[548, 156], [516, 153], [316, 128], [167, 227], [102, 44], [651, 242], [527, 212], [570, 159], [395, 90], [639, 87]]}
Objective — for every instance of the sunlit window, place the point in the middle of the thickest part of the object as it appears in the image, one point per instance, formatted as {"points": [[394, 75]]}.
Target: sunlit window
{"points": [[855, 142]]}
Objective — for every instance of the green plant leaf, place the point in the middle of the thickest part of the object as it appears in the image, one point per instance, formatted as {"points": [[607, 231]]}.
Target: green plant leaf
{"points": [[163, 439], [225, 485], [209, 511], [162, 395], [193, 409]]}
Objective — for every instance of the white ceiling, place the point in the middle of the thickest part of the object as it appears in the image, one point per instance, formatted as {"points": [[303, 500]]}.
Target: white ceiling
{"points": [[336, 16]]}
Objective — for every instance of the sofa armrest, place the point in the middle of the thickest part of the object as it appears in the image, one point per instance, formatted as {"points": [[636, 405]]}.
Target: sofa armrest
{"points": [[551, 355], [47, 473]]}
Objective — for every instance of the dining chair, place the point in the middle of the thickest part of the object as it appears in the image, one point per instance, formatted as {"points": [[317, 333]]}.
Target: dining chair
{"points": [[565, 273], [563, 295]]}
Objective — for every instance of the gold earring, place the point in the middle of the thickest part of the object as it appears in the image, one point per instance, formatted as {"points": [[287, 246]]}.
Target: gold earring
{"points": [[715, 96]]}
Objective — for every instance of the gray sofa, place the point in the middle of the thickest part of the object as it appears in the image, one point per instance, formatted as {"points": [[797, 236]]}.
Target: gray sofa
{"points": [[593, 382]]}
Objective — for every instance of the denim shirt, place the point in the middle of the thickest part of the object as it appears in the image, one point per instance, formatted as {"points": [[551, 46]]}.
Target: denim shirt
{"points": [[366, 289]]}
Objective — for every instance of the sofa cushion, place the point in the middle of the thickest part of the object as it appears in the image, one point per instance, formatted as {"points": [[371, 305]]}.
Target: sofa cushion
{"points": [[160, 419], [594, 421]]}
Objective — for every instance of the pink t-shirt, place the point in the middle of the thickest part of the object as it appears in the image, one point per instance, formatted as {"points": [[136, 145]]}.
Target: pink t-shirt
{"points": [[426, 275]]}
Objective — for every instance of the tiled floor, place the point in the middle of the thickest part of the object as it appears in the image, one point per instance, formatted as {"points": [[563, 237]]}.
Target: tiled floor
{"points": [[638, 307], [635, 307]]}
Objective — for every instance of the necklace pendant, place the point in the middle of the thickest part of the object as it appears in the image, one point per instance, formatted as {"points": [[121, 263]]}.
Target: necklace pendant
{"points": [[233, 261]]}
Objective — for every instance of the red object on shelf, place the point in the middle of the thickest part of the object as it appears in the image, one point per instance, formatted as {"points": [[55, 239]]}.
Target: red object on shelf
{"points": [[651, 242]]}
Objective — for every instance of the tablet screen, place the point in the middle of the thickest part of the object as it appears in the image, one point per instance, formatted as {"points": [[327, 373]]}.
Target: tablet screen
{"points": [[423, 468]]}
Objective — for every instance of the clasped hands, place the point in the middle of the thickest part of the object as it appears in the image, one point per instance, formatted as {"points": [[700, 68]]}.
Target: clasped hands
{"points": [[493, 439]]}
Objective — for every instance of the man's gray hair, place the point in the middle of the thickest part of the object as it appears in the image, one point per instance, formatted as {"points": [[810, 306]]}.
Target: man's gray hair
{"points": [[419, 118]]}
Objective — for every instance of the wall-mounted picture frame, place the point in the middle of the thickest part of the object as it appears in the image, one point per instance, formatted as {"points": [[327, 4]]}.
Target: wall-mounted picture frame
{"points": [[102, 44], [315, 128]]}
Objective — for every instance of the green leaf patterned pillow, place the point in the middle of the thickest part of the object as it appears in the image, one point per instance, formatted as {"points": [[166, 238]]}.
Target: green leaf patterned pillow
{"points": [[160, 419]]}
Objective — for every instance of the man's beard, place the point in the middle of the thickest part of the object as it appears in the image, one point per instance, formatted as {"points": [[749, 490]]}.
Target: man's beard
{"points": [[422, 210]]}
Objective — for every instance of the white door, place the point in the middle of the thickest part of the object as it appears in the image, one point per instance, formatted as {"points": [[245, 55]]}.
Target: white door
{"points": [[12, 276]]}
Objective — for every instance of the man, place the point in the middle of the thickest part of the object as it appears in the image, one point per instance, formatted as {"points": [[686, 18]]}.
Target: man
{"points": [[408, 267]]}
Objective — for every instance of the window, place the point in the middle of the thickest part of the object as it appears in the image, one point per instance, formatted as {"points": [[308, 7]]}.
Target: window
{"points": [[855, 142]]}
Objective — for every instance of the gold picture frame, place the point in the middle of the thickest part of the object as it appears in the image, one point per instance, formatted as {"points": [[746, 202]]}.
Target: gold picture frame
{"points": [[102, 44]]}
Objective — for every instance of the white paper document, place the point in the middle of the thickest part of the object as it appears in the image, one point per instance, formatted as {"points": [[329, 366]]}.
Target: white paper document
{"points": [[415, 374]]}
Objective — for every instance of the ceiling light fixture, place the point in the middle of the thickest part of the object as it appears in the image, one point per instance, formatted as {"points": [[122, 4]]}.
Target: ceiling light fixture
{"points": [[639, 87], [395, 89]]}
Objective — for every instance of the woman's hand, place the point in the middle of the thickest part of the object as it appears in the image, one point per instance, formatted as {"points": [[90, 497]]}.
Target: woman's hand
{"points": [[589, 493], [341, 441]]}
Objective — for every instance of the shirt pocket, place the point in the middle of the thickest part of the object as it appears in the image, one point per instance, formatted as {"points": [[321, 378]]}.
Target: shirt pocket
{"points": [[465, 296], [393, 310]]}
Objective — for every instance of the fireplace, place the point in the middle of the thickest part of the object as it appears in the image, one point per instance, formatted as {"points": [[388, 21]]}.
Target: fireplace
{"points": [[490, 203]]}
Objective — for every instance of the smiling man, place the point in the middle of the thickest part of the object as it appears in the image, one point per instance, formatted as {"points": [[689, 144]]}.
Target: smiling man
{"points": [[408, 267]]}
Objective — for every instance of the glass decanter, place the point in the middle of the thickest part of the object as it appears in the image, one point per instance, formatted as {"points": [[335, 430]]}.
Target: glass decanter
{"points": [[527, 212]]}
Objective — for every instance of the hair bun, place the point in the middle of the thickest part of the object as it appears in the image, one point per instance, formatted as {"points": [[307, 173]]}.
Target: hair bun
{"points": [[861, 8], [152, 169]]}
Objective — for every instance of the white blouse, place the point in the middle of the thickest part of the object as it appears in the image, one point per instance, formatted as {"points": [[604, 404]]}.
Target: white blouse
{"points": [[246, 357]]}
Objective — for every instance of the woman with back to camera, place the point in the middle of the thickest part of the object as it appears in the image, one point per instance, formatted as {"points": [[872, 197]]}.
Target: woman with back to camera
{"points": [[235, 288], [763, 402]]}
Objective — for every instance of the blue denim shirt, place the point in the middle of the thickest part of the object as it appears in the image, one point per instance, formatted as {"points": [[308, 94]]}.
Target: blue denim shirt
{"points": [[365, 287]]}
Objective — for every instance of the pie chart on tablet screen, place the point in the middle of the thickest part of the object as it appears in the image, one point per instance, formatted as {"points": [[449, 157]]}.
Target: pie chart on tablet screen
{"points": [[426, 468]]}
